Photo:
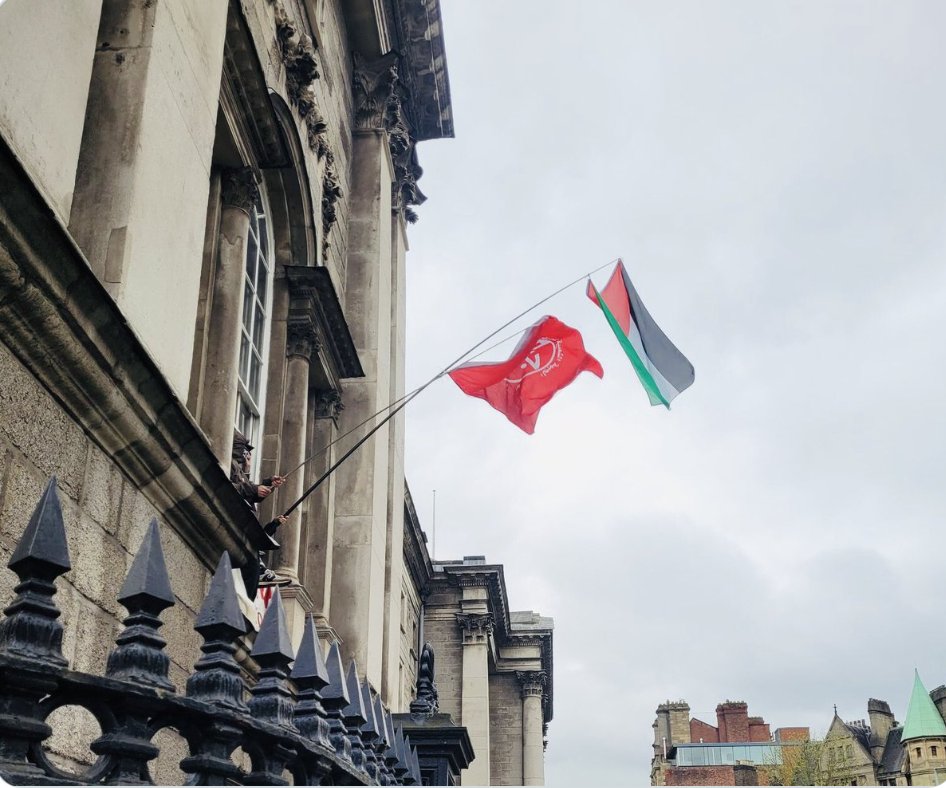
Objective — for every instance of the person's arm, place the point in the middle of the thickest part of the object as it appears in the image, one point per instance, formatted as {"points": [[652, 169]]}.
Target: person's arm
{"points": [[248, 491], [270, 527]]}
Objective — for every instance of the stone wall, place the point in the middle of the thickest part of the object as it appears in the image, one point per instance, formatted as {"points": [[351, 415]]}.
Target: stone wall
{"points": [[105, 518], [443, 634], [505, 726]]}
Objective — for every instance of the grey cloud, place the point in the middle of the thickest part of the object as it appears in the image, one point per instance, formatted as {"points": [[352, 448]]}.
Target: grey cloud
{"points": [[773, 175]]}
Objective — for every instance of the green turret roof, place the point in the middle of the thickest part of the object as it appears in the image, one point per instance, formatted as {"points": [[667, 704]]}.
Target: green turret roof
{"points": [[923, 720]]}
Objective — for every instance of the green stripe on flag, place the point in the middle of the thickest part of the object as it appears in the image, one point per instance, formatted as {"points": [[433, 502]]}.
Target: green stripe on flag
{"points": [[646, 379]]}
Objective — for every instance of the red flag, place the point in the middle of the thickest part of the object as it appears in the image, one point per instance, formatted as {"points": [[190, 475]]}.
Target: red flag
{"points": [[549, 357]]}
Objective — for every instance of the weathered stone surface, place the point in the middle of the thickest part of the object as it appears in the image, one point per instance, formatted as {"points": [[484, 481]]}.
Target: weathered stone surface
{"points": [[101, 490], [95, 637], [99, 564], [37, 427], [73, 729], [183, 642], [43, 108], [189, 577], [23, 489], [166, 769]]}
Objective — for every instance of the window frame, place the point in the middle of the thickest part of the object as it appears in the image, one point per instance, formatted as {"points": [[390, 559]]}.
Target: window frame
{"points": [[259, 242]]}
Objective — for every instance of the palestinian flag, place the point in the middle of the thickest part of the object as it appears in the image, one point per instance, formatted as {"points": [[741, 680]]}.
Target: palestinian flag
{"points": [[663, 370]]}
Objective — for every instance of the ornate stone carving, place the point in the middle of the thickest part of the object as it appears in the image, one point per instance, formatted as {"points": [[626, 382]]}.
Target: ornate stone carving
{"points": [[374, 90], [239, 188], [476, 627], [328, 404], [381, 101], [532, 682], [302, 341], [331, 192], [480, 580], [298, 54], [427, 701]]}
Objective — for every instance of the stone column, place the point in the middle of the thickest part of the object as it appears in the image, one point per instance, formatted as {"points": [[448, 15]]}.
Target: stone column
{"points": [[394, 553], [318, 511], [238, 195], [533, 749], [361, 483], [301, 343], [474, 700]]}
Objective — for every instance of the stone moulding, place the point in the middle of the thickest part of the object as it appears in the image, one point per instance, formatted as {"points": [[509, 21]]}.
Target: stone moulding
{"points": [[63, 326], [313, 286]]}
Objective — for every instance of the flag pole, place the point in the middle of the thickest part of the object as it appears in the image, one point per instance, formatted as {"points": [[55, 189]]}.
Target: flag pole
{"points": [[408, 397]]}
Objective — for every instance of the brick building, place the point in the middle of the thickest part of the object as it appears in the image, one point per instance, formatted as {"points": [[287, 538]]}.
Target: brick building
{"points": [[690, 751]]}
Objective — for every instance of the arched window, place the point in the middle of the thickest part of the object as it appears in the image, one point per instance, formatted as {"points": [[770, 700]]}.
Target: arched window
{"points": [[257, 287]]}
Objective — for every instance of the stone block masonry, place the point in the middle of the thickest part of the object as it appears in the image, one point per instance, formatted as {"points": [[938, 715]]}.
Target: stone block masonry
{"points": [[106, 519]]}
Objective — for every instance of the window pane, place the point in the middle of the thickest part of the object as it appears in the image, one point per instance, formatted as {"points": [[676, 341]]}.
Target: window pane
{"points": [[253, 383], [251, 256], [244, 358], [258, 323], [263, 238], [698, 756], [244, 418], [263, 280], [247, 306]]}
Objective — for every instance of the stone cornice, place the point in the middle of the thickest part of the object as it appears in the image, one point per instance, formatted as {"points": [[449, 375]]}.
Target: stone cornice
{"points": [[414, 29], [246, 97], [420, 41], [327, 314], [488, 575], [416, 556], [64, 327]]}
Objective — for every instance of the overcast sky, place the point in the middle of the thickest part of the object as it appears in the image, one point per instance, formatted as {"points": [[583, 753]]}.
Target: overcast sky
{"points": [[774, 176]]}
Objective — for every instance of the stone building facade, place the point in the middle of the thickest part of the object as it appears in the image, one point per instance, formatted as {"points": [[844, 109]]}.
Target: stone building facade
{"points": [[494, 668], [880, 751], [203, 226]]}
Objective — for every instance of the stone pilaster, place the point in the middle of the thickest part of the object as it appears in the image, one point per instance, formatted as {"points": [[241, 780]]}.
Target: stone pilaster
{"points": [[301, 344], [533, 684], [476, 630], [362, 482], [238, 194]]}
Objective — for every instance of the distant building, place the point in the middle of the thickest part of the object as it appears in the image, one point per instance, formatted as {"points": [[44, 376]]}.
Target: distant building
{"points": [[881, 752], [494, 668], [689, 751]]}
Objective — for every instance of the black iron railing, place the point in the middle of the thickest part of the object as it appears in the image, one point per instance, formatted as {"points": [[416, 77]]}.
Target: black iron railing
{"points": [[305, 720]]}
